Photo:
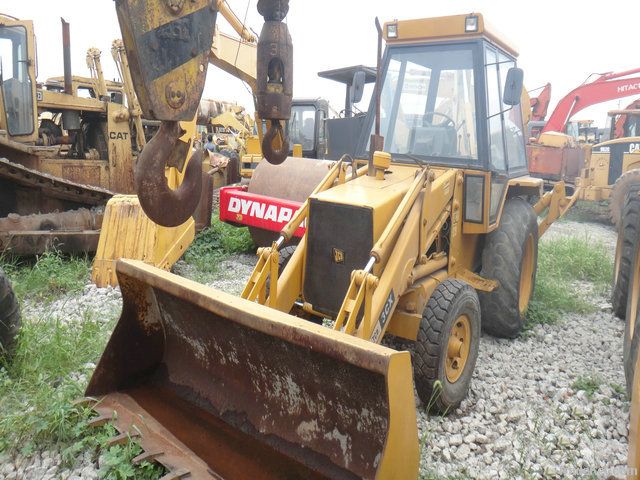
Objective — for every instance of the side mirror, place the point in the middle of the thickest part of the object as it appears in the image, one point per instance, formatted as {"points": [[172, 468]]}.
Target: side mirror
{"points": [[513, 86], [357, 87]]}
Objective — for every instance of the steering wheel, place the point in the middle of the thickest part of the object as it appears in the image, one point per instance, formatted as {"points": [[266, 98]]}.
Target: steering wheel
{"points": [[448, 120]]}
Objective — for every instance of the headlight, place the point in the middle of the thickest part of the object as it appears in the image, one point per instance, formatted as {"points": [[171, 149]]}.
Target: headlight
{"points": [[471, 24], [392, 30], [473, 198]]}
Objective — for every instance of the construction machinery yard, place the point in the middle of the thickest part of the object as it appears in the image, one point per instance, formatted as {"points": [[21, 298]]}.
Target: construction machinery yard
{"points": [[558, 409], [428, 294]]}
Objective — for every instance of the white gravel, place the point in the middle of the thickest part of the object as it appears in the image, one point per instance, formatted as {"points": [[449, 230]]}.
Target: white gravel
{"points": [[522, 419], [599, 232], [96, 303]]}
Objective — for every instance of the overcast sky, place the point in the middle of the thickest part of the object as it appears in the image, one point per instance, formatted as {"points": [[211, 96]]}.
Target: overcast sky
{"points": [[561, 42]]}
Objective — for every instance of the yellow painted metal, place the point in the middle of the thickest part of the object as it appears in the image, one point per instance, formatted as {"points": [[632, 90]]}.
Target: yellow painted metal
{"points": [[557, 203], [297, 150], [172, 95], [633, 459], [381, 162], [119, 55], [445, 28], [458, 347], [557, 140], [128, 233], [406, 318], [476, 281], [235, 56], [528, 267]]}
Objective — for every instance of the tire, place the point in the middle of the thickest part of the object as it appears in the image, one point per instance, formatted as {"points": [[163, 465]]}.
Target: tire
{"points": [[9, 318], [619, 193], [440, 386], [628, 235], [632, 313], [510, 256]]}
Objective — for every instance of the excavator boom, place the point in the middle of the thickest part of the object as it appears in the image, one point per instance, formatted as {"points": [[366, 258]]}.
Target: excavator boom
{"points": [[609, 86]]}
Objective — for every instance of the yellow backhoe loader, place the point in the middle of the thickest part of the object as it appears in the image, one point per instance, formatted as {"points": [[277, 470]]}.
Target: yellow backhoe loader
{"points": [[430, 237]]}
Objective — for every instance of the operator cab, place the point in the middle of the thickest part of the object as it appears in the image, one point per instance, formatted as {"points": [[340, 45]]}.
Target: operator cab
{"points": [[17, 78], [306, 126], [444, 97]]}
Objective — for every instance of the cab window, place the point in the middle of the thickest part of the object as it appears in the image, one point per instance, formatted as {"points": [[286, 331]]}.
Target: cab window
{"points": [[428, 104], [302, 126], [16, 88]]}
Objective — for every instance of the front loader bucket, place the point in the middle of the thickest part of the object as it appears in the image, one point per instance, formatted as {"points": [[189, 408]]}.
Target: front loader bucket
{"points": [[220, 387]]}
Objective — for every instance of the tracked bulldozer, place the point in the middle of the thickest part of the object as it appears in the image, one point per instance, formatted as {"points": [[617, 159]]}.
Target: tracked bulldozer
{"points": [[423, 241]]}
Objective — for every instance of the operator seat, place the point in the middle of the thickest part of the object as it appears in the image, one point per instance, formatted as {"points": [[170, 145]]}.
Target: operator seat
{"points": [[433, 140]]}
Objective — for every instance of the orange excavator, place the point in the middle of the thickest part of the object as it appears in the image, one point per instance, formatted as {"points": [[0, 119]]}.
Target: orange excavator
{"points": [[553, 155]]}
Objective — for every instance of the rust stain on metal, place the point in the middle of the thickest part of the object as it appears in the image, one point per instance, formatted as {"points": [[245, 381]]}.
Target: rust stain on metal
{"points": [[214, 395], [163, 205]]}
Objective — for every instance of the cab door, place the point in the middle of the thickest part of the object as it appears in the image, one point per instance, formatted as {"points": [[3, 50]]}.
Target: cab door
{"points": [[18, 110], [507, 151]]}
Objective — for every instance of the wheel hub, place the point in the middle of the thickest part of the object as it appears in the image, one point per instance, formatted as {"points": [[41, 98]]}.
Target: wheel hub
{"points": [[458, 348]]}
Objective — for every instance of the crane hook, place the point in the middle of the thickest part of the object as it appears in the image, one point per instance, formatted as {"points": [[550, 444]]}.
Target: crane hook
{"points": [[163, 205], [275, 156]]}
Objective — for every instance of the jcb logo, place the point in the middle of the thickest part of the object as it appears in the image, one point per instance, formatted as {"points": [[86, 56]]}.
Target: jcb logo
{"points": [[634, 148], [118, 135], [338, 255]]}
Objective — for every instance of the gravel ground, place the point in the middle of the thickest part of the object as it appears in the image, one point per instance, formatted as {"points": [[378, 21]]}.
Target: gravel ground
{"points": [[522, 419]]}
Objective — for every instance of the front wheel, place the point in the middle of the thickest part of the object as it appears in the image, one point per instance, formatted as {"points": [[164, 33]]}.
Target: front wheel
{"points": [[444, 355]]}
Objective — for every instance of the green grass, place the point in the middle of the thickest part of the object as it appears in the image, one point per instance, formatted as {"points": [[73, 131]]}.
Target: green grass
{"points": [[589, 384], [51, 367], [52, 364], [562, 262], [48, 276], [215, 244]]}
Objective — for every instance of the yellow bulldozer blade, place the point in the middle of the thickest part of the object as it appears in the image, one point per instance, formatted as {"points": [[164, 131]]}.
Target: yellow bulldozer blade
{"points": [[128, 233], [214, 386]]}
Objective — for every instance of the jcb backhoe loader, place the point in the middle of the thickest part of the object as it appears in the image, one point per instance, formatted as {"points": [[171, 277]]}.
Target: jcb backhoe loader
{"points": [[420, 241]]}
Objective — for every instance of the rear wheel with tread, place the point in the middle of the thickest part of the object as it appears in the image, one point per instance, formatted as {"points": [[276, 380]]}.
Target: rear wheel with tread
{"points": [[628, 235], [623, 185], [445, 352], [510, 256]]}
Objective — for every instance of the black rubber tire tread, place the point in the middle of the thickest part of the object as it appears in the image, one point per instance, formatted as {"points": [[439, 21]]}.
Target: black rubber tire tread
{"points": [[502, 261], [619, 192], [631, 345], [628, 235], [449, 300], [9, 317]]}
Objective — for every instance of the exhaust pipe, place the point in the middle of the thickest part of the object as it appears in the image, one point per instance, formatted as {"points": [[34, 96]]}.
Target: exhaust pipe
{"points": [[66, 54]]}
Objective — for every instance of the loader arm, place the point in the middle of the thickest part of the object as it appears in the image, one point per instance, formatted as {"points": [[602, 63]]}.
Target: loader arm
{"points": [[401, 253]]}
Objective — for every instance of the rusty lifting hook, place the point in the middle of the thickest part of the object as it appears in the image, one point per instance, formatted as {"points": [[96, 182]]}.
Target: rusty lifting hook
{"points": [[163, 205], [274, 78]]}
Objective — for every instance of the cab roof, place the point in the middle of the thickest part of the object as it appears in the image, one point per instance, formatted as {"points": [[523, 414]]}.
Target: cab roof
{"points": [[452, 27]]}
